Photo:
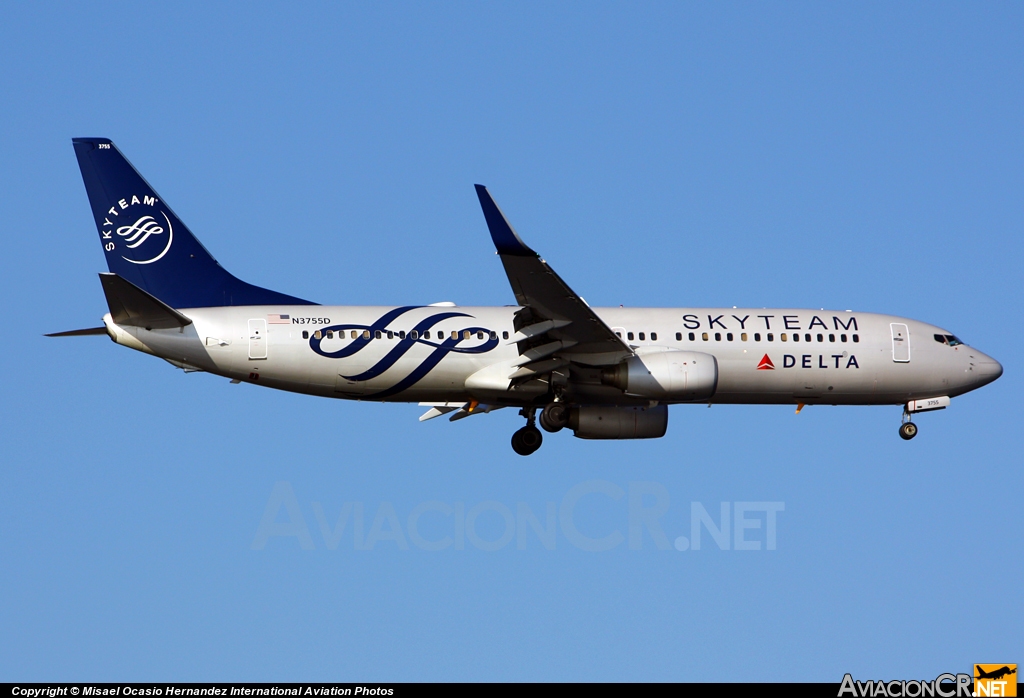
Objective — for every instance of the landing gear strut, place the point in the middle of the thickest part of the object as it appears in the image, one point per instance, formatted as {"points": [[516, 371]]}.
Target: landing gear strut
{"points": [[528, 439], [908, 429]]}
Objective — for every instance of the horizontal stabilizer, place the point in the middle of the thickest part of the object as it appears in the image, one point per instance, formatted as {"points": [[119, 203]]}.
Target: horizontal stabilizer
{"points": [[79, 333], [130, 305]]}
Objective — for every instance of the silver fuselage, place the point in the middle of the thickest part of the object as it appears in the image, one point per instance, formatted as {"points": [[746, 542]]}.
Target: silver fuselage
{"points": [[830, 357]]}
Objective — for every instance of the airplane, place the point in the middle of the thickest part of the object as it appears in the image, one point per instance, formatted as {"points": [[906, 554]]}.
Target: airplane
{"points": [[602, 373], [995, 674]]}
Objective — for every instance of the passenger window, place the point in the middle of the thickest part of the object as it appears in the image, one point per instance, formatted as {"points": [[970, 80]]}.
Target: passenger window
{"points": [[504, 335], [831, 338], [842, 338], [757, 336], [366, 334], [692, 336], [856, 338], [376, 334], [679, 336], [317, 335], [330, 334], [629, 335], [654, 336], [619, 335], [771, 337], [821, 338], [414, 335], [796, 337], [807, 337], [455, 334], [781, 336], [305, 334], [391, 335], [479, 335], [641, 336], [401, 334], [718, 336], [743, 336], [729, 336], [704, 336], [494, 335]]}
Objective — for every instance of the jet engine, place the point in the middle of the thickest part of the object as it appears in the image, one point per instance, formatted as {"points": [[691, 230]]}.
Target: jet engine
{"points": [[609, 422], [681, 376]]}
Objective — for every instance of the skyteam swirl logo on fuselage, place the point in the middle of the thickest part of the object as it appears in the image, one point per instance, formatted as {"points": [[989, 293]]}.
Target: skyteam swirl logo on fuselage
{"points": [[442, 347]]}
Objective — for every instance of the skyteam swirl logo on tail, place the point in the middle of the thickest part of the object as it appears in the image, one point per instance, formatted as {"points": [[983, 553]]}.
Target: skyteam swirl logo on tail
{"points": [[442, 347], [138, 232], [144, 238]]}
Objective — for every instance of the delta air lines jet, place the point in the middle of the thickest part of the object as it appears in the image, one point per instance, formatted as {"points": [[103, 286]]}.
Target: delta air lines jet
{"points": [[603, 373]]}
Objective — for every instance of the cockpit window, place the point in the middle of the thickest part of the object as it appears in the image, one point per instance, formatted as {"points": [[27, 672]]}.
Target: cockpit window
{"points": [[940, 339], [953, 341]]}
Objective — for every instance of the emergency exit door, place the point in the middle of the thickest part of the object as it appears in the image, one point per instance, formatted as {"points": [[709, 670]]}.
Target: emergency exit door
{"points": [[257, 339], [900, 342]]}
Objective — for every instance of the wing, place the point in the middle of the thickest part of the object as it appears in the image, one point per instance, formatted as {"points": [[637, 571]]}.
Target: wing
{"points": [[555, 324]]}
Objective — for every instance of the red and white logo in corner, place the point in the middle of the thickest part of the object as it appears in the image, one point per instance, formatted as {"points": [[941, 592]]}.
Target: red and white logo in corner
{"points": [[766, 364]]}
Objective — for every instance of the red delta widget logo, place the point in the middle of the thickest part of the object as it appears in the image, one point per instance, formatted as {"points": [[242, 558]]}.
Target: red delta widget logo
{"points": [[843, 360]]}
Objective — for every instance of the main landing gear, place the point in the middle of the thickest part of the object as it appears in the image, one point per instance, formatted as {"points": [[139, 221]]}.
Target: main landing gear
{"points": [[908, 429], [528, 439], [554, 417]]}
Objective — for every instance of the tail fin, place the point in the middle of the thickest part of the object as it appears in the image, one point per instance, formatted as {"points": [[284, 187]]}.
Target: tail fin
{"points": [[147, 245]]}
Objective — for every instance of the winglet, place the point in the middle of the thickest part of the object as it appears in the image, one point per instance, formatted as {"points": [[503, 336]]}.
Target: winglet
{"points": [[504, 236]]}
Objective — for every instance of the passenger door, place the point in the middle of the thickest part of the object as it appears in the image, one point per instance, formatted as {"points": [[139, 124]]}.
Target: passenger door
{"points": [[257, 339], [900, 342]]}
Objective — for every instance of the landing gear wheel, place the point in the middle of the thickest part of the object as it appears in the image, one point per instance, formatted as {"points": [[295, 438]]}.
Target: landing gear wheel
{"points": [[527, 440], [908, 430], [554, 417]]}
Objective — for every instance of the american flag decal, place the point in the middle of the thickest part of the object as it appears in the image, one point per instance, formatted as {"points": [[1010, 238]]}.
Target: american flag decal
{"points": [[279, 319]]}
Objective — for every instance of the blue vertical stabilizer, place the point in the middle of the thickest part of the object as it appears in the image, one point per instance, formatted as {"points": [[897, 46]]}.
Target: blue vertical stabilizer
{"points": [[146, 244]]}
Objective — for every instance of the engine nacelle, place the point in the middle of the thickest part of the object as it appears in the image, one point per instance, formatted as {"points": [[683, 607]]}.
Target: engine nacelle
{"points": [[666, 375], [609, 422]]}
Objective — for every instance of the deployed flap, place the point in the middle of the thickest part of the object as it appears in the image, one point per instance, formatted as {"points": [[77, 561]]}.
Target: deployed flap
{"points": [[542, 291], [130, 305]]}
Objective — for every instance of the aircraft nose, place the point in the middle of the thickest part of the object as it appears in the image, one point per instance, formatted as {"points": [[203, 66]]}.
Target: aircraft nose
{"points": [[987, 368]]}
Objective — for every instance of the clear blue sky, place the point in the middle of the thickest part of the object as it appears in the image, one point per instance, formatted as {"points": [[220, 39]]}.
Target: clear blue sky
{"points": [[865, 156]]}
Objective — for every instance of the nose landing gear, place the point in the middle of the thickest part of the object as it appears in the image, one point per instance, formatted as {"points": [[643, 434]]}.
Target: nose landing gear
{"points": [[528, 439], [908, 429]]}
